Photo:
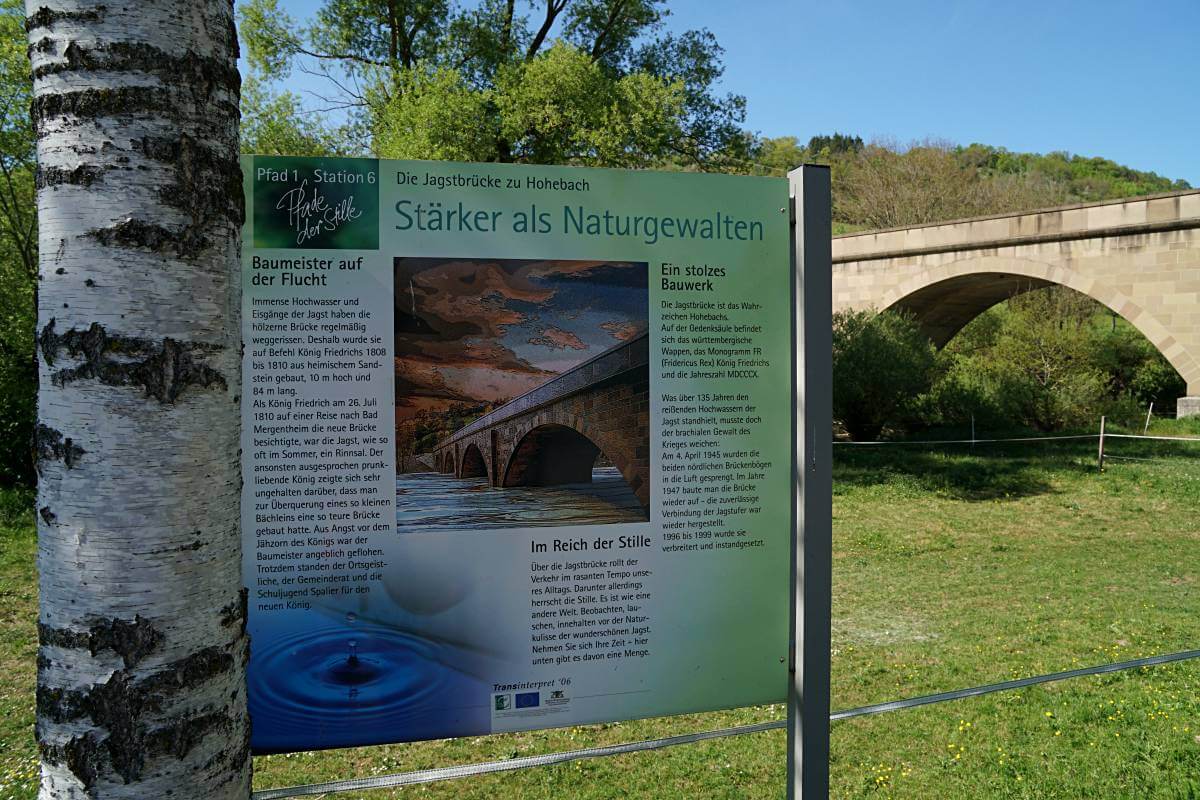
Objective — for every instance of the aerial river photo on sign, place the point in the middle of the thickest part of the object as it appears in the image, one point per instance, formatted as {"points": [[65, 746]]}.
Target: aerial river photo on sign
{"points": [[522, 393]]}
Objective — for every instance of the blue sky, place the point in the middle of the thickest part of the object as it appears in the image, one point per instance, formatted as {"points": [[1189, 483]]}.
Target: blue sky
{"points": [[1113, 79]]}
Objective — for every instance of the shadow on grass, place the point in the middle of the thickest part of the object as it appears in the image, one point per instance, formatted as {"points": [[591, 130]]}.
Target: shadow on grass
{"points": [[988, 472]]}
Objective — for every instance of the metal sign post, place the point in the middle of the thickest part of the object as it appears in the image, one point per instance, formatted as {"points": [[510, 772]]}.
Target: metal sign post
{"points": [[812, 521]]}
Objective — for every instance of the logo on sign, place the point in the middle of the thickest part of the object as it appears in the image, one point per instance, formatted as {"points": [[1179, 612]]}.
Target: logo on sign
{"points": [[529, 700], [316, 204], [503, 702]]}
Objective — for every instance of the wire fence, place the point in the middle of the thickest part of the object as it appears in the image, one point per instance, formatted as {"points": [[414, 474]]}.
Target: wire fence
{"points": [[489, 767], [1104, 454], [1014, 440], [1103, 439]]}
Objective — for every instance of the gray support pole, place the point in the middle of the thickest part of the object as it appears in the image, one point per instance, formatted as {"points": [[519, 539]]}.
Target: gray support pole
{"points": [[812, 521]]}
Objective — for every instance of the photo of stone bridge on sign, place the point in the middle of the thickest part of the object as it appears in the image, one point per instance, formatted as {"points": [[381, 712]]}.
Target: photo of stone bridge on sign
{"points": [[522, 392], [1139, 257], [555, 434]]}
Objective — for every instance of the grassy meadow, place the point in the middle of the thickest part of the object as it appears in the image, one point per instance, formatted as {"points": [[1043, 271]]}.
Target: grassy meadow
{"points": [[952, 568]]}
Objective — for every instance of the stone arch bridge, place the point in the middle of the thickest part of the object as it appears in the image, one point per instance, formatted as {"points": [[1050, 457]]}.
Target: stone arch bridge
{"points": [[1139, 257], [554, 434]]}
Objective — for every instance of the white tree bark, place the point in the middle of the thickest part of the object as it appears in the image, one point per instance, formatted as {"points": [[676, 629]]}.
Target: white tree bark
{"points": [[141, 688]]}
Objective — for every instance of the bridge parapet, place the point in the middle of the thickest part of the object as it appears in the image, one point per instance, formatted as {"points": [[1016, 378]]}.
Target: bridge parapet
{"points": [[626, 356], [1151, 214]]}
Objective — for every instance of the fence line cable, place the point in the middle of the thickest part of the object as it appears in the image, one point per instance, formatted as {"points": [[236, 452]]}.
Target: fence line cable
{"points": [[484, 768], [1019, 683], [1156, 438], [977, 441], [488, 767], [1021, 439]]}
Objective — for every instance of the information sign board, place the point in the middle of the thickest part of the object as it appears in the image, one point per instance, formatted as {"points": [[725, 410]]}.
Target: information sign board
{"points": [[517, 447]]}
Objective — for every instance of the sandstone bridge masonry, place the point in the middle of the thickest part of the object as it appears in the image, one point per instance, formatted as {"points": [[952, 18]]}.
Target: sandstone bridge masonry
{"points": [[1139, 257], [553, 434]]}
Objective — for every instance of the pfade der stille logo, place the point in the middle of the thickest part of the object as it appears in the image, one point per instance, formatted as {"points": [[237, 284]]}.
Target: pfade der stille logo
{"points": [[316, 203]]}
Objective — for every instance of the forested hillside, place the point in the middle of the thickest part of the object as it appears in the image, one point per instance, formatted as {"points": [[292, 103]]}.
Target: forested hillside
{"points": [[886, 185]]}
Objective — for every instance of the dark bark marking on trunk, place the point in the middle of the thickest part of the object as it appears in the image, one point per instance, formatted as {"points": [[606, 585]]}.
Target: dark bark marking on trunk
{"points": [[92, 103], [51, 445], [44, 46], [235, 613], [183, 548], [98, 701], [132, 641], [202, 75], [179, 738], [119, 704], [236, 758], [185, 243], [189, 672], [47, 515], [163, 369], [46, 17], [82, 755], [207, 183], [82, 175], [128, 744]]}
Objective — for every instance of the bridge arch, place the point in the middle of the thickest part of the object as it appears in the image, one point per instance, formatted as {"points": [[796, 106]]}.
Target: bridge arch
{"points": [[473, 465], [555, 448], [946, 297], [1138, 256]]}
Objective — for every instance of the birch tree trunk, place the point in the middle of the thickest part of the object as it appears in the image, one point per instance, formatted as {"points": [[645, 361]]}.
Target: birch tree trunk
{"points": [[141, 689]]}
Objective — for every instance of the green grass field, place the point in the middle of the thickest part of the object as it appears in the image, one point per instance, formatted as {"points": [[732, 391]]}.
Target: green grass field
{"points": [[951, 569]]}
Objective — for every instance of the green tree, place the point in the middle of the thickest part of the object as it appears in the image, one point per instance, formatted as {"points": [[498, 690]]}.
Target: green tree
{"points": [[561, 81], [1048, 359], [882, 364], [883, 185], [1134, 366], [776, 157], [1043, 365], [277, 124], [18, 250], [1081, 179], [835, 144]]}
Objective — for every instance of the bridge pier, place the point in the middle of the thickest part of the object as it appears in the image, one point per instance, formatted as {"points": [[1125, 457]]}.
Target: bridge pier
{"points": [[1188, 407]]}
